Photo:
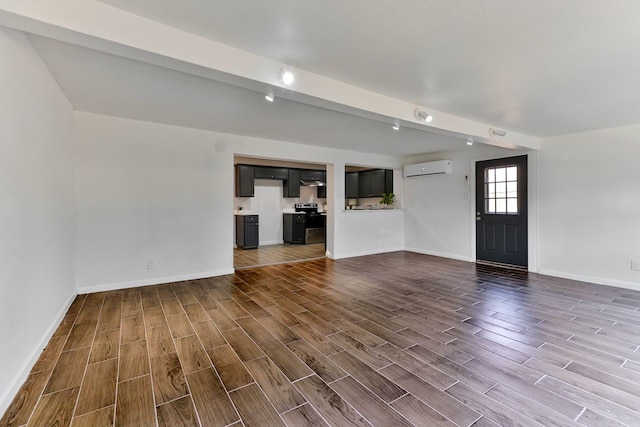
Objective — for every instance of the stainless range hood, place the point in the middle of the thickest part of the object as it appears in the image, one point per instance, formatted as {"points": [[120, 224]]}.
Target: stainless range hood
{"points": [[311, 183]]}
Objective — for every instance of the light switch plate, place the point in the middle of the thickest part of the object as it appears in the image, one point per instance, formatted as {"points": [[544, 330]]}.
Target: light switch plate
{"points": [[635, 265]]}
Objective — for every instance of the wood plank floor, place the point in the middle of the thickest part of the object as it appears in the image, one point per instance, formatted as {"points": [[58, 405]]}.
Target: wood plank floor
{"points": [[395, 339], [276, 254]]}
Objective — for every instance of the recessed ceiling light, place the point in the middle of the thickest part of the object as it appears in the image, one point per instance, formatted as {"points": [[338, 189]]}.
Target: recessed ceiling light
{"points": [[469, 141], [269, 98], [395, 126], [423, 115], [287, 76]]}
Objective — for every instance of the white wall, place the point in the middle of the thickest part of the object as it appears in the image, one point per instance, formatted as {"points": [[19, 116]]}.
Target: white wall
{"points": [[36, 209], [370, 232], [146, 191], [439, 208], [590, 206]]}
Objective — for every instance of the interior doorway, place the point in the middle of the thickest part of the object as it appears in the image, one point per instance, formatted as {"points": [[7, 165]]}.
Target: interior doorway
{"points": [[268, 194], [502, 212]]}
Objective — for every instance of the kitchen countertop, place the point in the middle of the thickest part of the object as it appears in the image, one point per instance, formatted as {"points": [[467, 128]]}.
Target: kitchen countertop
{"points": [[373, 210]]}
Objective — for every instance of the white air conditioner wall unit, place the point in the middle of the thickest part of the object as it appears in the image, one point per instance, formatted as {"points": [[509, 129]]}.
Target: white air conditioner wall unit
{"points": [[439, 167]]}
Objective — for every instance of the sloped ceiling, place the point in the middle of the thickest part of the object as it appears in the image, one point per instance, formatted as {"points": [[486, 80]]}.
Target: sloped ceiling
{"points": [[102, 83]]}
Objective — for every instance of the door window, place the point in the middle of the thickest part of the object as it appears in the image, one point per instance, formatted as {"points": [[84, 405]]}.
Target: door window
{"points": [[501, 190]]}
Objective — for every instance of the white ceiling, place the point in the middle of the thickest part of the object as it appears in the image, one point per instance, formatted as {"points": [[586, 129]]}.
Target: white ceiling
{"points": [[541, 68], [536, 68]]}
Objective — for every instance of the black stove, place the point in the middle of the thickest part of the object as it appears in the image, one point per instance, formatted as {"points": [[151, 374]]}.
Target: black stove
{"points": [[314, 222], [307, 207]]}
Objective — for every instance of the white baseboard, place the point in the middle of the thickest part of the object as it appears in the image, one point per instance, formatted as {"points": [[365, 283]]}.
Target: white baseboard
{"points": [[591, 279], [271, 242], [23, 373], [363, 253], [152, 281], [440, 254]]}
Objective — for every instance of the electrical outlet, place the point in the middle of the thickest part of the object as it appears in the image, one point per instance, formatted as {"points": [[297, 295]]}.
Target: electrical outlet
{"points": [[149, 264], [635, 265]]}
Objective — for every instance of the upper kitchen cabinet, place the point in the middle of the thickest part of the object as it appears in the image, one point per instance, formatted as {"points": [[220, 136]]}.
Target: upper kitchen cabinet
{"points": [[317, 179], [312, 175], [368, 183], [388, 181], [351, 185], [291, 187], [322, 192], [378, 184], [266, 172], [244, 181], [292, 179], [314, 178]]}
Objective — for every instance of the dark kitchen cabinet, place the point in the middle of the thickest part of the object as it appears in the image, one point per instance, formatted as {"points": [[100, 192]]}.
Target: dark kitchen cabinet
{"points": [[244, 181], [370, 183], [321, 190], [266, 172], [351, 185], [388, 181], [377, 182], [291, 187], [293, 227], [364, 184], [247, 231], [312, 175]]}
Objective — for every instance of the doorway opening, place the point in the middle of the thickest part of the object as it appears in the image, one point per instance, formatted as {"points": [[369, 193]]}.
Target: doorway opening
{"points": [[502, 212], [280, 211]]}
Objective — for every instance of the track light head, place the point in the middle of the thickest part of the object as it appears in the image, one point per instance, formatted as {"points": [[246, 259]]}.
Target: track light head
{"points": [[423, 116], [287, 76]]}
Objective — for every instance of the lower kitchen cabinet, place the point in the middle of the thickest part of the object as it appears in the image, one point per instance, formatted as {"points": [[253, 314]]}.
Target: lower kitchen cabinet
{"points": [[293, 227], [247, 231]]}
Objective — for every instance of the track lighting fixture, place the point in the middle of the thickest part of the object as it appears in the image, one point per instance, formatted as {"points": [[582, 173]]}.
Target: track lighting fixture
{"points": [[423, 115], [497, 132], [287, 76], [395, 126], [269, 97]]}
